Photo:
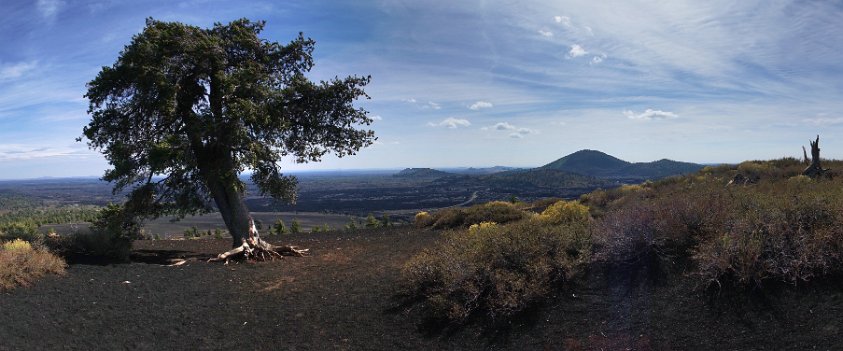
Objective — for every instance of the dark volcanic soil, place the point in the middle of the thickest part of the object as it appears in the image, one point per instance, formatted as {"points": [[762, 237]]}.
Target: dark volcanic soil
{"points": [[343, 297]]}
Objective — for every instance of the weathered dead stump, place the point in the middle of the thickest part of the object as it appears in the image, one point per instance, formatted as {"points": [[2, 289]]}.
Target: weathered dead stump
{"points": [[256, 249], [814, 169]]}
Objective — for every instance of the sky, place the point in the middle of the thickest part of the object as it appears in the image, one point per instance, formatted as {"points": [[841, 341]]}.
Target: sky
{"points": [[474, 83]]}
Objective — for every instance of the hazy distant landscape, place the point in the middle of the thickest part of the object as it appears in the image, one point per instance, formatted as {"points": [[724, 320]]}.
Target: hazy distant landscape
{"points": [[337, 197], [565, 175]]}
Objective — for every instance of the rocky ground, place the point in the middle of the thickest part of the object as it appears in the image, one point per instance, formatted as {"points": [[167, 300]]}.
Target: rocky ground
{"points": [[344, 297]]}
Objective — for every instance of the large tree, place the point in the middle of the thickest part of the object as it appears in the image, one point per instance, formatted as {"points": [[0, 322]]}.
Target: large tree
{"points": [[185, 110]]}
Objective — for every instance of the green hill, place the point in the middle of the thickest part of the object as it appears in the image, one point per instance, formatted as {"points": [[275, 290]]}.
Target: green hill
{"points": [[601, 165]]}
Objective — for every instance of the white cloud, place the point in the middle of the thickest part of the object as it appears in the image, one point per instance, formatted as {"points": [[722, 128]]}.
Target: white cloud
{"points": [[481, 105], [546, 33], [576, 51], [565, 20], [16, 70], [650, 114], [49, 8], [597, 59], [824, 121], [410, 100], [506, 126], [376, 118], [433, 105], [451, 123]]}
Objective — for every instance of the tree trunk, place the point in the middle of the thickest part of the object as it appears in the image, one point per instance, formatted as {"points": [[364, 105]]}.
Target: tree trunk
{"points": [[233, 209], [814, 170]]}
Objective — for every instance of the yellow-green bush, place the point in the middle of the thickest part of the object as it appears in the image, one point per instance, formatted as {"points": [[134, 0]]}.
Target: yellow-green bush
{"points": [[565, 212], [497, 271], [17, 245], [496, 211], [475, 228], [423, 219]]}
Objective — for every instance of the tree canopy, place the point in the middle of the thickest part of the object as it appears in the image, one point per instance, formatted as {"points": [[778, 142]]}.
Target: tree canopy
{"points": [[185, 110]]}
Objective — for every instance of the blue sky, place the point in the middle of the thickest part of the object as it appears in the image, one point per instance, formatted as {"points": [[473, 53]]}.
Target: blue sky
{"points": [[475, 83]]}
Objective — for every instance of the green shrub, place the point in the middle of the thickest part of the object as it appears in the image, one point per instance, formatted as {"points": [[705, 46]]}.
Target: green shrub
{"points": [[495, 272], [423, 219], [280, 228], [372, 222], [564, 212], [495, 211], [295, 227], [21, 230], [17, 245], [110, 237]]}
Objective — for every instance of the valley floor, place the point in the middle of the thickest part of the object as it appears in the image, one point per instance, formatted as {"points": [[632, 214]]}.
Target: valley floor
{"points": [[343, 297]]}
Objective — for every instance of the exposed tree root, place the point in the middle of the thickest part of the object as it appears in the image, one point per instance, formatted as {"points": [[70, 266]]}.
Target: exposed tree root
{"points": [[256, 249]]}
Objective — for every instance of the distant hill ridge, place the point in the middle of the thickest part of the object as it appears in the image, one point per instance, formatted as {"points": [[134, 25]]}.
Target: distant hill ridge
{"points": [[601, 165], [421, 173]]}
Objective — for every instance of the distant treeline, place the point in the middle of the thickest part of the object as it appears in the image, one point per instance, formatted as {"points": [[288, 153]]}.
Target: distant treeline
{"points": [[20, 209]]}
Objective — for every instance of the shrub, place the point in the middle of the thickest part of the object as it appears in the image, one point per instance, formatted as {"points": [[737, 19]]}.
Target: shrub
{"points": [[295, 227], [372, 222], [564, 212], [21, 264], [475, 228], [495, 272], [423, 219], [495, 211], [110, 237], [17, 245], [280, 228], [19, 230]]}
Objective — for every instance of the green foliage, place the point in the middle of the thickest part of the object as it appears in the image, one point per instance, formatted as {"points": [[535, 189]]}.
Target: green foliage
{"points": [[423, 219], [495, 211], [16, 245], [351, 225], [563, 212], [386, 221], [295, 227], [217, 233], [495, 272], [110, 237], [280, 228], [201, 105], [20, 230], [372, 222]]}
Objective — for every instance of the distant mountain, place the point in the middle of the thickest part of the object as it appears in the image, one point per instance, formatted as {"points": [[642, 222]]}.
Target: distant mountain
{"points": [[588, 162], [479, 171], [601, 165], [543, 178], [422, 173]]}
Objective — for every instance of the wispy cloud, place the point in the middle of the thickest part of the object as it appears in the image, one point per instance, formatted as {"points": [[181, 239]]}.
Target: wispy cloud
{"points": [[451, 123], [15, 152], [49, 8], [432, 105], [650, 114], [546, 33], [9, 71], [479, 105], [376, 118], [577, 51]]}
